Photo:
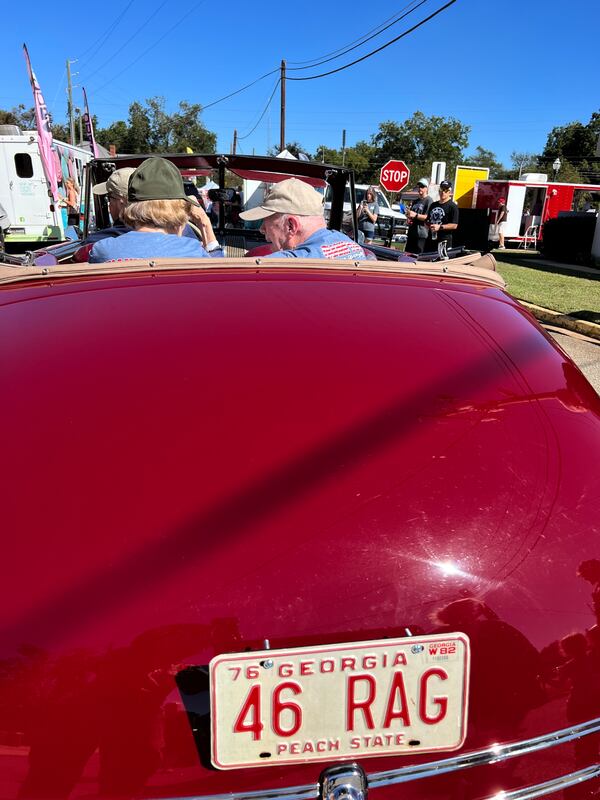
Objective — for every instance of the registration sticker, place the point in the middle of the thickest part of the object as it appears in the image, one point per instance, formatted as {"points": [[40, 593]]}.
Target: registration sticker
{"points": [[336, 702]]}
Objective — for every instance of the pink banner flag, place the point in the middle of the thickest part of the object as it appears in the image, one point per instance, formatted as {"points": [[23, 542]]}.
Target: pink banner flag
{"points": [[89, 127], [42, 122]]}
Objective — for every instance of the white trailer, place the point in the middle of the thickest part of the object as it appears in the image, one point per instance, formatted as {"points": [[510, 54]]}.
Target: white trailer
{"points": [[32, 214]]}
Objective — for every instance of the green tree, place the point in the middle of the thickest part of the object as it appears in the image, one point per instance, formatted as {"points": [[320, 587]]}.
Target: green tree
{"points": [[362, 158], [160, 125], [359, 158], [150, 129], [188, 131], [568, 173], [421, 140], [62, 132], [486, 158], [138, 138], [295, 148], [523, 162], [116, 134], [328, 155], [575, 145], [19, 115]]}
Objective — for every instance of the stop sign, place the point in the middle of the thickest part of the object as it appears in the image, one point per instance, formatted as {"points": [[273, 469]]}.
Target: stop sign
{"points": [[394, 176]]}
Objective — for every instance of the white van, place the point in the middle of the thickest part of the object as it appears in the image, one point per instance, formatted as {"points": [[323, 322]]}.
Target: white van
{"points": [[24, 191]]}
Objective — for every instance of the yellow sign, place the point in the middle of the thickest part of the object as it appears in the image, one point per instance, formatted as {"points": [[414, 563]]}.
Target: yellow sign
{"points": [[464, 184]]}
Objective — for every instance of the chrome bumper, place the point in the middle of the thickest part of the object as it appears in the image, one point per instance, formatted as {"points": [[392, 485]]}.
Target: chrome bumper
{"points": [[490, 755]]}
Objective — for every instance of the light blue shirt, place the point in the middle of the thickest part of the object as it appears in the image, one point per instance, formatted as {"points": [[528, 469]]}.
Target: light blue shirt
{"points": [[142, 244], [324, 243]]}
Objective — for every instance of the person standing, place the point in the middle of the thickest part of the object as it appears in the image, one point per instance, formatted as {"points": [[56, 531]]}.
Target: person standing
{"points": [[501, 217], [368, 211], [417, 217], [442, 218]]}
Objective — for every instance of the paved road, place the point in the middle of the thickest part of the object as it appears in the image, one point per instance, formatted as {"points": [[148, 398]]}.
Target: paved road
{"points": [[584, 352]]}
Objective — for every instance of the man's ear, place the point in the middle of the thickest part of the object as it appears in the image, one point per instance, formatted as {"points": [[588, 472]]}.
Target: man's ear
{"points": [[293, 224]]}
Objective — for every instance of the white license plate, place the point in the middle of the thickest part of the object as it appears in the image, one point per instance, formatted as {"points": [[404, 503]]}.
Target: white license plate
{"points": [[338, 702]]}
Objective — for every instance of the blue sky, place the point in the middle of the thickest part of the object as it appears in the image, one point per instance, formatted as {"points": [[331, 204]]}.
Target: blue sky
{"points": [[511, 70]]}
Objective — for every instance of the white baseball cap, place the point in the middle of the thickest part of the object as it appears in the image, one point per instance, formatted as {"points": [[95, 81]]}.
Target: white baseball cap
{"points": [[291, 196]]}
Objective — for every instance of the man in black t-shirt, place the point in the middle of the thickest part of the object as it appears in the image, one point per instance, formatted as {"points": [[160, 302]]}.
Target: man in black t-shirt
{"points": [[417, 216], [442, 219]]}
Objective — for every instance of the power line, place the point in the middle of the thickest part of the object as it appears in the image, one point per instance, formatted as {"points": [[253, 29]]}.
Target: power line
{"points": [[379, 49], [105, 35], [360, 43], [127, 41], [243, 89], [312, 77], [354, 41], [273, 71], [277, 82], [152, 46], [60, 85]]}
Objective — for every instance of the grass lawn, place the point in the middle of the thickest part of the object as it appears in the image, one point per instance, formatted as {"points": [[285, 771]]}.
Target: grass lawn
{"points": [[559, 292]]}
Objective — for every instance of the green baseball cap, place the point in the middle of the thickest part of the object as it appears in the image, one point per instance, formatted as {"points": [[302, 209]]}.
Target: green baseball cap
{"points": [[156, 179]]}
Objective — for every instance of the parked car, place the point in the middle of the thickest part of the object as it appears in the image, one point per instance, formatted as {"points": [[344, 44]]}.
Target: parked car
{"points": [[293, 529]]}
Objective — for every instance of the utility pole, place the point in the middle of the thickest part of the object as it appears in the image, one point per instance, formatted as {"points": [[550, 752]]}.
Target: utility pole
{"points": [[344, 147], [70, 104], [234, 149], [282, 125]]}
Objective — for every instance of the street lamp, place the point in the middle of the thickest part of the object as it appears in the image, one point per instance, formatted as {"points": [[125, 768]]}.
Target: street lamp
{"points": [[556, 166]]}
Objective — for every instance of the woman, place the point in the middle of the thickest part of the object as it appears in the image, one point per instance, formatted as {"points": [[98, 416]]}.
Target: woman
{"points": [[368, 211], [158, 211], [70, 204]]}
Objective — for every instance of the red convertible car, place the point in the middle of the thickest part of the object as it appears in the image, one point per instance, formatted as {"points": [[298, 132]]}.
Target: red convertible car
{"points": [[284, 531]]}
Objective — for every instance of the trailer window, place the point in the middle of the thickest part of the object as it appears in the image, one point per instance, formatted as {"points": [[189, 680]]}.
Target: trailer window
{"points": [[23, 165]]}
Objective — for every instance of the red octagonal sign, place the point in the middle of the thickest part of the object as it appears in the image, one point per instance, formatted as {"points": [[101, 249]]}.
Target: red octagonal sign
{"points": [[394, 176]]}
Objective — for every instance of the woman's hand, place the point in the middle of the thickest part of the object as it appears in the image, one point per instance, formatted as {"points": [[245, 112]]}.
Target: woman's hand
{"points": [[199, 217]]}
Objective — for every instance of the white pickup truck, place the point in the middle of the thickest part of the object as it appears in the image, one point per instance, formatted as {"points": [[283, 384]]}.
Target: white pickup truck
{"points": [[387, 215]]}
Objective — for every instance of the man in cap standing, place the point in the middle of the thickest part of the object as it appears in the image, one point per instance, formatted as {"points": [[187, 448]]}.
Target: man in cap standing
{"points": [[417, 217], [293, 221], [442, 218]]}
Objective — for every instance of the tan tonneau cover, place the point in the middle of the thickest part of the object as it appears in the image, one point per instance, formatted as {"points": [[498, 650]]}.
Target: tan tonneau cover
{"points": [[473, 267]]}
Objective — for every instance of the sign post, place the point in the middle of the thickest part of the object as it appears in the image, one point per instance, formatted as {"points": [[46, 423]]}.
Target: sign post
{"points": [[394, 177]]}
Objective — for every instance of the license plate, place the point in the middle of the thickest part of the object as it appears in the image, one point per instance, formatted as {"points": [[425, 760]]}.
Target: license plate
{"points": [[337, 702]]}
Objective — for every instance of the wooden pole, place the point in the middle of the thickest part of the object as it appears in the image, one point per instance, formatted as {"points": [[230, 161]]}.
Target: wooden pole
{"points": [[234, 150], [282, 124], [70, 104]]}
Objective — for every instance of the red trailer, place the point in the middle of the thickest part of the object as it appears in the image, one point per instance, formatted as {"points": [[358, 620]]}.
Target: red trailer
{"points": [[531, 201]]}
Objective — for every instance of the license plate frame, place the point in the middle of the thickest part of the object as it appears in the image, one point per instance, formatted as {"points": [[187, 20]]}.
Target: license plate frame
{"points": [[352, 684]]}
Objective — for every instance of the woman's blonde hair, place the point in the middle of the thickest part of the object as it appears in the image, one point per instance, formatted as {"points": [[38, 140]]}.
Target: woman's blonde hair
{"points": [[167, 215]]}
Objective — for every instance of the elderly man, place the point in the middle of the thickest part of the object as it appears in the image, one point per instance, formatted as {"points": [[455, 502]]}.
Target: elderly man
{"points": [[116, 189], [293, 221]]}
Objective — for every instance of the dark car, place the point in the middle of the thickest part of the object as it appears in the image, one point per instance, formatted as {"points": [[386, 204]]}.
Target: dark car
{"points": [[290, 529]]}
